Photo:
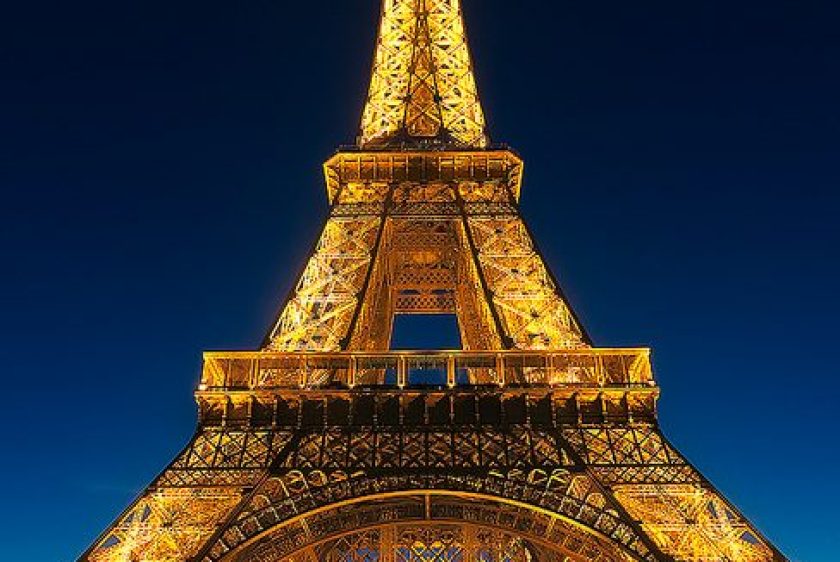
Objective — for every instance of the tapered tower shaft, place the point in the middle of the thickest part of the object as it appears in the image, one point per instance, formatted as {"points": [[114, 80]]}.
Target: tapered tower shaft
{"points": [[529, 444], [422, 88]]}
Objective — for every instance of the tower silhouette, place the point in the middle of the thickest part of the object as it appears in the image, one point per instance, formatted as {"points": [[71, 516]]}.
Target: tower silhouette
{"points": [[529, 443]]}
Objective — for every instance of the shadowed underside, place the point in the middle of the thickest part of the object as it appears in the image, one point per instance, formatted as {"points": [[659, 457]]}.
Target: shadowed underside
{"points": [[326, 445]]}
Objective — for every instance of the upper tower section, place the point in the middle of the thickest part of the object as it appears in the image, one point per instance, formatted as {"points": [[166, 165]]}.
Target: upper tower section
{"points": [[422, 89]]}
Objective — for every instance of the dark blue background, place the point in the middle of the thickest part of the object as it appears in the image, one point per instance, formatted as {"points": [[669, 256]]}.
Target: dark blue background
{"points": [[160, 166]]}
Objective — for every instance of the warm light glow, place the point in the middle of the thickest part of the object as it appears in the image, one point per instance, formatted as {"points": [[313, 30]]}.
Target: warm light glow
{"points": [[326, 445], [422, 86]]}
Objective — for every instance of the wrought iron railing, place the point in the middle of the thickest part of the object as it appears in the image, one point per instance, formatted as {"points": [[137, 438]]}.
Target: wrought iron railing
{"points": [[591, 367]]}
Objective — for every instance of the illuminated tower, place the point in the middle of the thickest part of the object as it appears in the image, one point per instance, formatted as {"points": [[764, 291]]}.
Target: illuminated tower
{"points": [[527, 444]]}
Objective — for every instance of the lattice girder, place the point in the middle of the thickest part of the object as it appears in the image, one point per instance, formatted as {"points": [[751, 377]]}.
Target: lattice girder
{"points": [[588, 473], [184, 505], [318, 315], [273, 506], [360, 177], [424, 247], [692, 522], [324, 446], [684, 515], [534, 314], [422, 86], [169, 524], [486, 529]]}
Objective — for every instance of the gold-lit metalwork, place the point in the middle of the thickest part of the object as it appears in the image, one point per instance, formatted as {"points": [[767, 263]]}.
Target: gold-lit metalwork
{"points": [[527, 445], [693, 522], [167, 524], [422, 87]]}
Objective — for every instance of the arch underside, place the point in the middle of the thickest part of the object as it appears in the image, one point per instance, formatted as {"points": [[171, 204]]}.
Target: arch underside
{"points": [[298, 509], [429, 526]]}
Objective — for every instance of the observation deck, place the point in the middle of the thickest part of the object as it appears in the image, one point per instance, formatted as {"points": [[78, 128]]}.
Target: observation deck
{"points": [[265, 388]]}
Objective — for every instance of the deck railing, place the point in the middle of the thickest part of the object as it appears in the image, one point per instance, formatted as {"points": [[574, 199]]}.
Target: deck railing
{"points": [[591, 367]]}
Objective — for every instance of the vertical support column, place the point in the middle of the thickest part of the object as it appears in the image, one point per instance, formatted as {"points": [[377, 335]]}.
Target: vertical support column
{"points": [[363, 295], [550, 369], [253, 373], [351, 371], [500, 369], [471, 545], [302, 373], [388, 543], [401, 372], [600, 376], [502, 336]]}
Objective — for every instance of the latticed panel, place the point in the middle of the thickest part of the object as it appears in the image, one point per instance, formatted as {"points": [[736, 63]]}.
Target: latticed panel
{"points": [[630, 454], [574, 497], [432, 192], [426, 543], [693, 523], [372, 329], [318, 315], [423, 262], [421, 265], [384, 111], [475, 318], [363, 448], [685, 517], [224, 457], [460, 107], [422, 83], [528, 302], [423, 116], [168, 524], [469, 530], [359, 547], [183, 507]]}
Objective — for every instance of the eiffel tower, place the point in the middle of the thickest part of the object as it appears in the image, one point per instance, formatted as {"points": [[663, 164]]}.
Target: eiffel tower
{"points": [[528, 444]]}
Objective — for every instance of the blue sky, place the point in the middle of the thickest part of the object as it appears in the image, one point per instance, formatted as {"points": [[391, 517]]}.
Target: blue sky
{"points": [[160, 167]]}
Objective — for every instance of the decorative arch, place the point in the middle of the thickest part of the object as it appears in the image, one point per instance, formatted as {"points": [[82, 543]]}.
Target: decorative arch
{"points": [[438, 526], [291, 514]]}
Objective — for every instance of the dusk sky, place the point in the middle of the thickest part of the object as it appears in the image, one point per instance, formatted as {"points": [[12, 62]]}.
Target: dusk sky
{"points": [[160, 164]]}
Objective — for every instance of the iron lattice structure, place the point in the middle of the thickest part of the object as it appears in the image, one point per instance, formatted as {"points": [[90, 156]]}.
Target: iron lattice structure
{"points": [[527, 444]]}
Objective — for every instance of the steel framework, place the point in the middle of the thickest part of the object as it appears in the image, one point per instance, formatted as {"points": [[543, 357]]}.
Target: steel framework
{"points": [[528, 444]]}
